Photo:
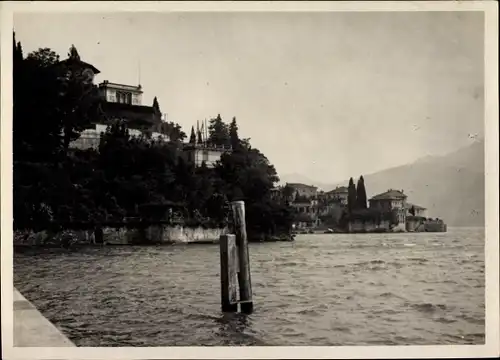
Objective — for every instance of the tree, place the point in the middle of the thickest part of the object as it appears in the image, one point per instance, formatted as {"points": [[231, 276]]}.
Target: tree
{"points": [[218, 132], [156, 105], [288, 193], [134, 171], [248, 175], [79, 99], [53, 186], [17, 50], [233, 134], [52, 105], [43, 57], [351, 196], [55, 101], [192, 138], [361, 194], [412, 210], [37, 124], [173, 131]]}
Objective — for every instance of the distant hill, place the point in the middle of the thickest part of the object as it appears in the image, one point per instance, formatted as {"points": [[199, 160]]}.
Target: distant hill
{"points": [[451, 187]]}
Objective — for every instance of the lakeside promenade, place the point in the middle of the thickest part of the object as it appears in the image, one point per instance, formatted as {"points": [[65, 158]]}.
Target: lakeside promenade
{"points": [[32, 329]]}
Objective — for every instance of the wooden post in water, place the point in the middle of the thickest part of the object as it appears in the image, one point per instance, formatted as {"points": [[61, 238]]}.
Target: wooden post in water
{"points": [[244, 279], [228, 273]]}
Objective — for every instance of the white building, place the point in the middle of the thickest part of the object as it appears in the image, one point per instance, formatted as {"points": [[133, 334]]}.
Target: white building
{"points": [[120, 93], [90, 138], [210, 154]]}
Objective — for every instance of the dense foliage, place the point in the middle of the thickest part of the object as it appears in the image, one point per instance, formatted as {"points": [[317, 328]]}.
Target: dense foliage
{"points": [[126, 177], [361, 201], [357, 209]]}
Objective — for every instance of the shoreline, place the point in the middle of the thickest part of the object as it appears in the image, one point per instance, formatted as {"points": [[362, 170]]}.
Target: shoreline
{"points": [[163, 244], [32, 329]]}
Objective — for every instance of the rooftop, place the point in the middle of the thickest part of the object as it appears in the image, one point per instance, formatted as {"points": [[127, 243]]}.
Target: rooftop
{"points": [[390, 194], [106, 83], [79, 63], [301, 186], [416, 207], [339, 190]]}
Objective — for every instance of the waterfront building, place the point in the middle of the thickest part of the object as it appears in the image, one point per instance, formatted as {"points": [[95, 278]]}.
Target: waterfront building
{"points": [[306, 213], [396, 199], [339, 194], [303, 190], [120, 93], [118, 102], [204, 152], [122, 102], [389, 201], [415, 210]]}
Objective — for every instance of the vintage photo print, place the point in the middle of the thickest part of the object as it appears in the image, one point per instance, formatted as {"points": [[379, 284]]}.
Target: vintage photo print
{"points": [[249, 179]]}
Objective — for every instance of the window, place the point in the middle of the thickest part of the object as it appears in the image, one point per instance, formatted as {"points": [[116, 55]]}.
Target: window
{"points": [[124, 97]]}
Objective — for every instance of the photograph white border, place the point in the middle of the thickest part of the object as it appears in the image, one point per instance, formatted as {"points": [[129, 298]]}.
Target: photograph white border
{"points": [[491, 346]]}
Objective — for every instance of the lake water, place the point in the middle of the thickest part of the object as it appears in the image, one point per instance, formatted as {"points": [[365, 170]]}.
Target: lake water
{"points": [[329, 289]]}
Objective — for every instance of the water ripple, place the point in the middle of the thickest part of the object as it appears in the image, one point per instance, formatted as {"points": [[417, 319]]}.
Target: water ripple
{"points": [[412, 289]]}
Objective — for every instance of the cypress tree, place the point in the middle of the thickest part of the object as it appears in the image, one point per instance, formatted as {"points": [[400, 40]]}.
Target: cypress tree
{"points": [[156, 105], [17, 50], [361, 194], [412, 210], [192, 138], [351, 196], [218, 132], [233, 134]]}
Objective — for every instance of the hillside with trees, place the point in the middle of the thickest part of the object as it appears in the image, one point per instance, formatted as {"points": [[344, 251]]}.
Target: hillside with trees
{"points": [[126, 177]]}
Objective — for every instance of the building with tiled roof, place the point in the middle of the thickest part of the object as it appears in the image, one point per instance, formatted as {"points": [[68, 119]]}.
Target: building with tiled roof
{"points": [[390, 195], [414, 210], [301, 186], [389, 201], [339, 193], [338, 190], [117, 102], [304, 190]]}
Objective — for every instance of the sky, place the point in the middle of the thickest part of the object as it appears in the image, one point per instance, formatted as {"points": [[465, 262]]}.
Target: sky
{"points": [[326, 95]]}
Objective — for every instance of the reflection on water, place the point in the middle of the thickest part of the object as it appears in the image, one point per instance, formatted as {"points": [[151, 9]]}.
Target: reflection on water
{"points": [[330, 289]]}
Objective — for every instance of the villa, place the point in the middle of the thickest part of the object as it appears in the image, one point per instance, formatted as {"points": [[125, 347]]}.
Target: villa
{"points": [[396, 200], [124, 102], [339, 193], [303, 190]]}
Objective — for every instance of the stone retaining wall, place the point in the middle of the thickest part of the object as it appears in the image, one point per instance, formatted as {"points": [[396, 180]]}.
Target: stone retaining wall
{"points": [[368, 226], [155, 234]]}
